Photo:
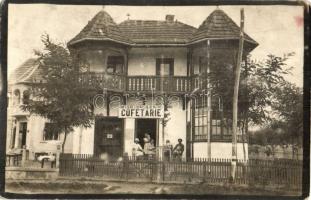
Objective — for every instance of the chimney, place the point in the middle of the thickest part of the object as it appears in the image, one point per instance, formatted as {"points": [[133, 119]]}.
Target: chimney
{"points": [[169, 18]]}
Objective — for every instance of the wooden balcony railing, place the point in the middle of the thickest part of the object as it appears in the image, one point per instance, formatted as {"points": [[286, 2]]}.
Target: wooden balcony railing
{"points": [[171, 84], [179, 84], [101, 80]]}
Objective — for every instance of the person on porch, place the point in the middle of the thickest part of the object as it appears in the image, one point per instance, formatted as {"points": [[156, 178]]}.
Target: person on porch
{"points": [[137, 150], [148, 149], [178, 150], [167, 150]]}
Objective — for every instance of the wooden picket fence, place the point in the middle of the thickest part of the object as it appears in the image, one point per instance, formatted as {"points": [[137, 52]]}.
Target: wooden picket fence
{"points": [[274, 173]]}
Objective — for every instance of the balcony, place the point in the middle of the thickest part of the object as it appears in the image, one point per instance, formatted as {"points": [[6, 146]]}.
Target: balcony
{"points": [[101, 80], [175, 84], [120, 83]]}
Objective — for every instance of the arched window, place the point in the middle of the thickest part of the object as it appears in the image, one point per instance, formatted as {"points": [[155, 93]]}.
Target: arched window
{"points": [[26, 97], [17, 97]]}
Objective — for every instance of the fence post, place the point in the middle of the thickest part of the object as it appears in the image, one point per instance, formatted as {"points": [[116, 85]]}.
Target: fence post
{"points": [[125, 165], [57, 160], [23, 156]]}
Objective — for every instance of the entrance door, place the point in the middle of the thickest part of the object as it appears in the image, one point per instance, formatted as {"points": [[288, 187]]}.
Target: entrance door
{"points": [[23, 133], [144, 126], [108, 137]]}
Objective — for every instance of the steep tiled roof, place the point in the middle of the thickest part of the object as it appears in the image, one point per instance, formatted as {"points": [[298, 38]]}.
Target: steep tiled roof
{"points": [[218, 25], [101, 27], [27, 72], [151, 31]]}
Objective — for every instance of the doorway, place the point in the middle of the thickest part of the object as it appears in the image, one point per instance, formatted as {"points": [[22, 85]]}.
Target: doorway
{"points": [[144, 126], [23, 133], [108, 137]]}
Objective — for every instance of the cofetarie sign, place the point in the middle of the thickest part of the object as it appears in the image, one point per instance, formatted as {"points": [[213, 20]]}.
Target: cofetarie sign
{"points": [[141, 112]]}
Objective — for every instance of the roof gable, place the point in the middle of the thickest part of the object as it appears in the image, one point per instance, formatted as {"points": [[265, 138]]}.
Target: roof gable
{"points": [[26, 72], [101, 27], [218, 25]]}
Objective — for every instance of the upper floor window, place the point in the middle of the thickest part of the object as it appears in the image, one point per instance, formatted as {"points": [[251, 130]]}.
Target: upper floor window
{"points": [[115, 64], [50, 132], [17, 97], [26, 97], [200, 64], [165, 66]]}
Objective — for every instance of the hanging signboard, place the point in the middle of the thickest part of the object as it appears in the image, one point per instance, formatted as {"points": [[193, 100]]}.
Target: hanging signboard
{"points": [[141, 111]]}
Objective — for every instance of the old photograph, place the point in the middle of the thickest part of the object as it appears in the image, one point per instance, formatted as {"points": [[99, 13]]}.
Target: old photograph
{"points": [[196, 100]]}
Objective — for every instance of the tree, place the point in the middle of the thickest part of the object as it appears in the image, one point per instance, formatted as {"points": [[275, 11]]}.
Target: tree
{"points": [[60, 97], [288, 110]]}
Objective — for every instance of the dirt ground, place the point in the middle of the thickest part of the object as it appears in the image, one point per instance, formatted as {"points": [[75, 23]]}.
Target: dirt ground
{"points": [[115, 187]]}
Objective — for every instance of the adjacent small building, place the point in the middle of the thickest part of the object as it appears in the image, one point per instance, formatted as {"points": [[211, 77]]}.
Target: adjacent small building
{"points": [[145, 72]]}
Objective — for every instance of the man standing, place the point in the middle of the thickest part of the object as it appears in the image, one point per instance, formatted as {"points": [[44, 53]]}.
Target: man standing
{"points": [[178, 150]]}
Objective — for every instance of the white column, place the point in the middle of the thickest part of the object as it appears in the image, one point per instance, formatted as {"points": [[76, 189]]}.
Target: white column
{"points": [[129, 129], [17, 135]]}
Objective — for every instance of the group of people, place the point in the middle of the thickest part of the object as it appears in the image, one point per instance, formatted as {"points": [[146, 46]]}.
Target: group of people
{"points": [[148, 150]]}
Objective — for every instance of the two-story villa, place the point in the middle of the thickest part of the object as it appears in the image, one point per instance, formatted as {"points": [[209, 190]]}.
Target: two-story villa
{"points": [[139, 65]]}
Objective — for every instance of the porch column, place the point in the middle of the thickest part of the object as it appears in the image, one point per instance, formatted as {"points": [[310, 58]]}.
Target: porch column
{"points": [[208, 101], [129, 127], [17, 135]]}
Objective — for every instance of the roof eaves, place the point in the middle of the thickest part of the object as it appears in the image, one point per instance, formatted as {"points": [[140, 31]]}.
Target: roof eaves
{"points": [[98, 39], [160, 44], [229, 38]]}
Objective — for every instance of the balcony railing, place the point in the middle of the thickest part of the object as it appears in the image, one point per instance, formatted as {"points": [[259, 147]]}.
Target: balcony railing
{"points": [[101, 80], [179, 84], [171, 84]]}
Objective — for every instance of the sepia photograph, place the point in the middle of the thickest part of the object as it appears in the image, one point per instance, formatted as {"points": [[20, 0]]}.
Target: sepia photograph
{"points": [[175, 100]]}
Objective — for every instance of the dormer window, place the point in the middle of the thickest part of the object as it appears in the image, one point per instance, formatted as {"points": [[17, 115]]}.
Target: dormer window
{"points": [[115, 64]]}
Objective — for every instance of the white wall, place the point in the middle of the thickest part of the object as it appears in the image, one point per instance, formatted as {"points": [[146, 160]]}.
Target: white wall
{"points": [[87, 140], [35, 142], [218, 150], [176, 127], [129, 134], [142, 61]]}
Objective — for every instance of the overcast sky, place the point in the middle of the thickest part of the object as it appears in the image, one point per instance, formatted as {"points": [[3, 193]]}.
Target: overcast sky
{"points": [[277, 29]]}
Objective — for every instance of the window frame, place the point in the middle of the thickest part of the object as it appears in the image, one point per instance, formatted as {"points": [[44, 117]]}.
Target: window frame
{"points": [[44, 133], [115, 64]]}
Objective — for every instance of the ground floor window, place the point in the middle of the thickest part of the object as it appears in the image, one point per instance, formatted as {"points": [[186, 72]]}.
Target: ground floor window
{"points": [[50, 132], [200, 118], [219, 125]]}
